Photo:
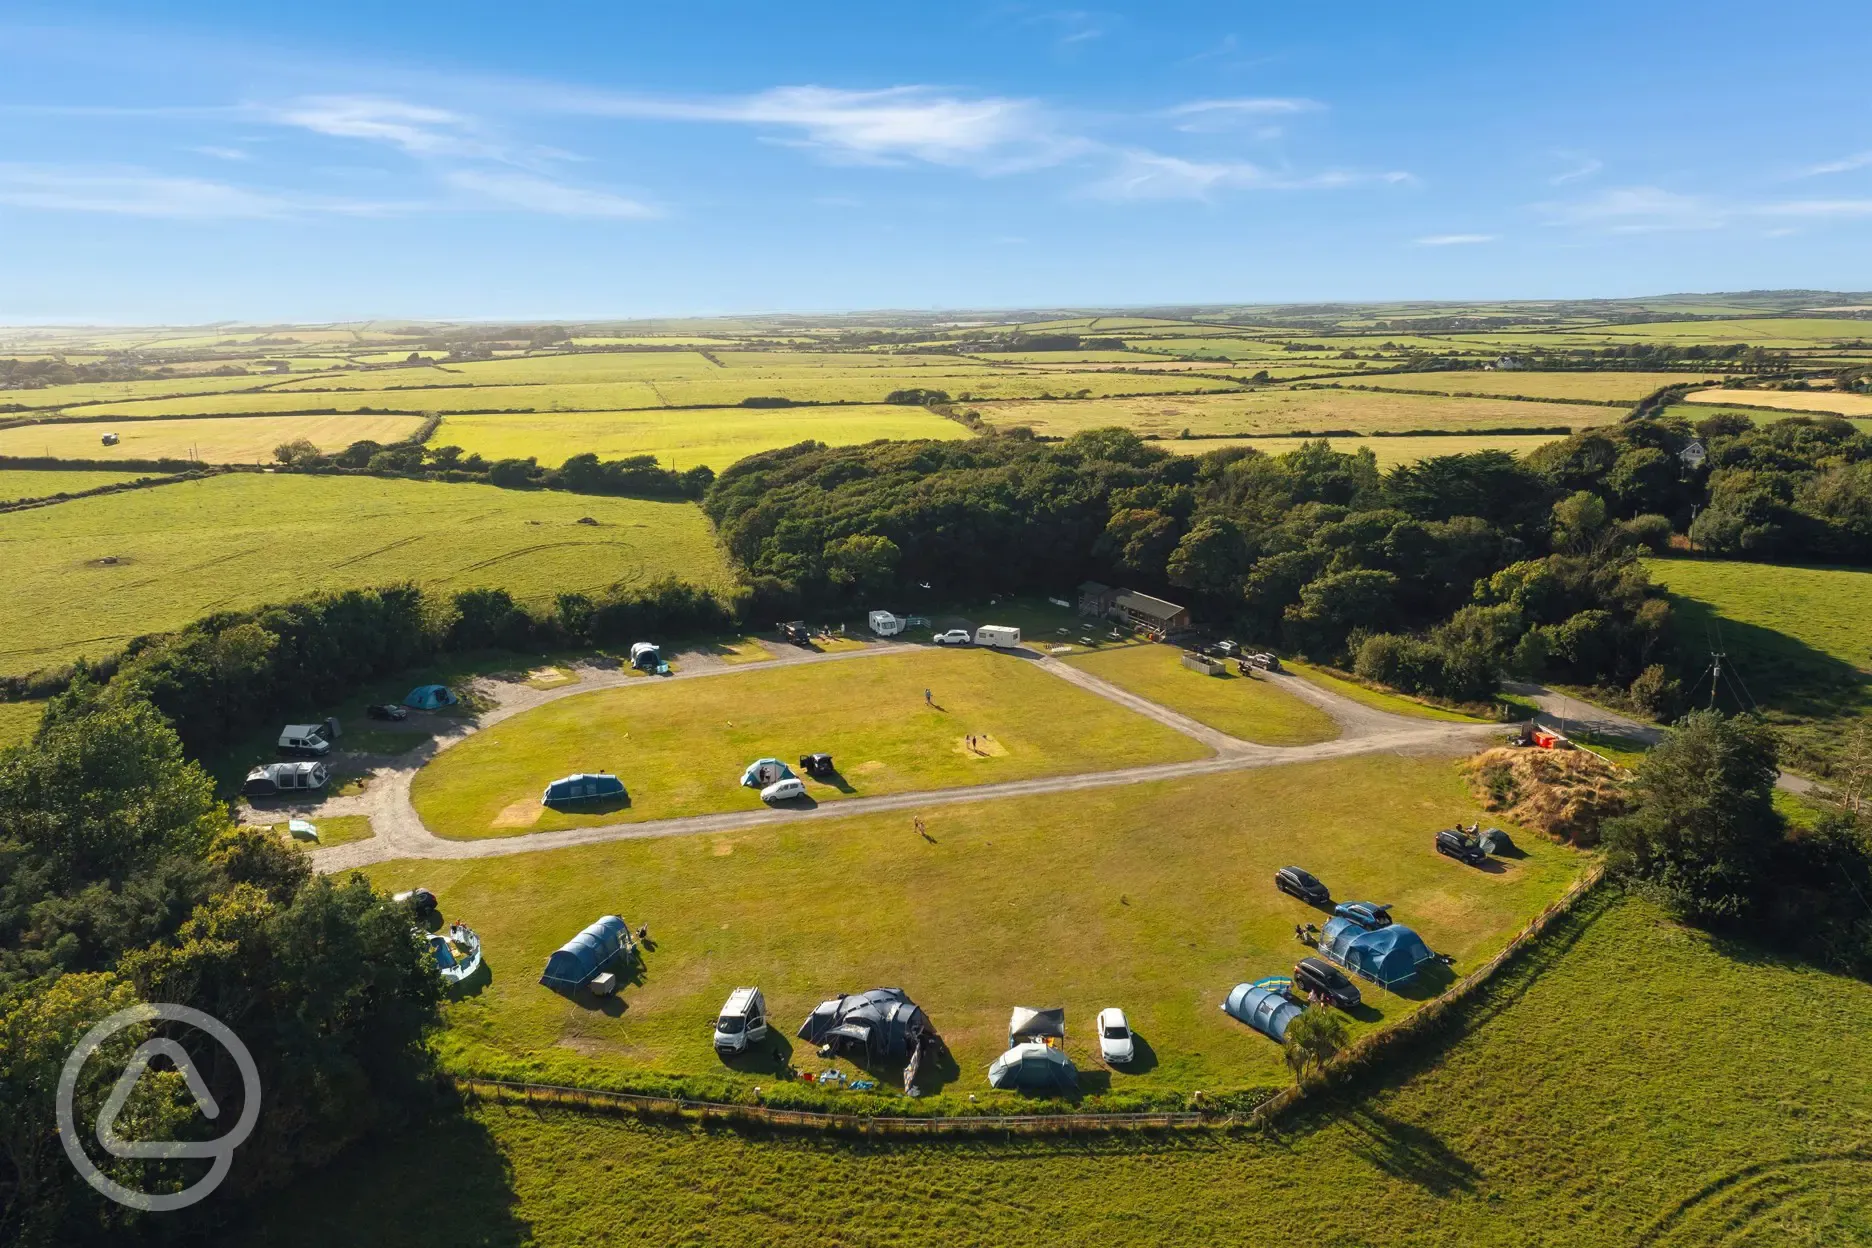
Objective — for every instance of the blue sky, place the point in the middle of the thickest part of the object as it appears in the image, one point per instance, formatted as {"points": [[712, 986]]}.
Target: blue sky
{"points": [[210, 161]]}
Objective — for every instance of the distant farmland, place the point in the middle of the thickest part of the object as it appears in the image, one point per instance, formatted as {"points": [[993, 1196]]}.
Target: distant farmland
{"points": [[183, 550], [1603, 387], [1389, 451], [1291, 411], [1837, 401], [15, 484], [222, 440]]}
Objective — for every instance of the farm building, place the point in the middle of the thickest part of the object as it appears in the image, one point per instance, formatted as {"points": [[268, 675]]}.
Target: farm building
{"points": [[430, 697], [1388, 956], [1034, 1067], [1153, 615], [583, 787], [1096, 599], [580, 959], [1264, 1006]]}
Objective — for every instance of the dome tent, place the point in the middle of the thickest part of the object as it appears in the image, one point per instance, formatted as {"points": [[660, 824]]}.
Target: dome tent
{"points": [[1035, 1067], [1264, 1006], [880, 1027], [1388, 957], [765, 771], [430, 697], [580, 959]]}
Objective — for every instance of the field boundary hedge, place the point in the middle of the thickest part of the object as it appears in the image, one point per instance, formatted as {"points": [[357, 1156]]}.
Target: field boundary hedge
{"points": [[118, 487]]}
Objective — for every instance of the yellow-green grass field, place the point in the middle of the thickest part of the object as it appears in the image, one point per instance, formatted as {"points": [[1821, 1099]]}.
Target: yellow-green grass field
{"points": [[1251, 708], [1823, 609], [1287, 411], [1377, 699], [217, 440], [1606, 387], [108, 391], [18, 721], [680, 746], [242, 539], [1154, 897], [1603, 1095], [18, 483], [334, 830], [1839, 402], [1389, 451], [716, 437]]}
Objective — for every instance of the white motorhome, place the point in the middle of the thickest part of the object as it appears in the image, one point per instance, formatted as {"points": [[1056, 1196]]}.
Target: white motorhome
{"points": [[305, 739], [998, 635], [886, 623], [743, 1021]]}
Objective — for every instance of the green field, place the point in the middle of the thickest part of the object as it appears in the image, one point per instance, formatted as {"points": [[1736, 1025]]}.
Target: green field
{"points": [[18, 483], [1602, 387], [225, 440], [1242, 706], [680, 747], [1389, 451], [1838, 402], [18, 721], [1154, 896], [246, 538], [1823, 610], [109, 391], [685, 438], [332, 830], [1289, 411]]}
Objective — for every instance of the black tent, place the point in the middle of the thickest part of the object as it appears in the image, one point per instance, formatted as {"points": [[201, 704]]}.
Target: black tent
{"points": [[876, 1028]]}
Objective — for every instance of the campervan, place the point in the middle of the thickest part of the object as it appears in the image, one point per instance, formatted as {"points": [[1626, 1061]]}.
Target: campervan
{"points": [[742, 1022], [998, 635], [306, 739]]}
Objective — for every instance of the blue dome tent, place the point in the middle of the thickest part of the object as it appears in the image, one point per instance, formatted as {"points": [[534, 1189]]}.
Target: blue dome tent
{"points": [[1264, 1006], [580, 959], [1388, 957], [765, 771], [430, 697]]}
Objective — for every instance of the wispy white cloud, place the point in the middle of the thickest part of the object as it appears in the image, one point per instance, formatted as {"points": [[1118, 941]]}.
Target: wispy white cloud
{"points": [[1846, 164], [1637, 209], [1584, 167], [1815, 208], [1212, 116], [139, 193], [1154, 175], [536, 194], [221, 153], [419, 129], [1455, 240]]}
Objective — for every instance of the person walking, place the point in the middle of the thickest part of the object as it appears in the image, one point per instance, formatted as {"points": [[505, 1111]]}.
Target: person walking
{"points": [[926, 699]]}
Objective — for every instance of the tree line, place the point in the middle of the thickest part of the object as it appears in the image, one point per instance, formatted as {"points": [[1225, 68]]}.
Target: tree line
{"points": [[634, 476]]}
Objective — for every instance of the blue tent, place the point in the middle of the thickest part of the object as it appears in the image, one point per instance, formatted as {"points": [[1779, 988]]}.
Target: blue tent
{"points": [[587, 953], [429, 697], [1264, 1007], [583, 788], [765, 771], [1388, 957]]}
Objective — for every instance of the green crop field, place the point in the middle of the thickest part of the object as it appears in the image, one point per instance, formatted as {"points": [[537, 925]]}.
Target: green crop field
{"points": [[686, 438], [1839, 402], [1242, 706], [1389, 451], [680, 748], [1155, 897], [18, 483], [241, 539], [1602, 387], [218, 440], [1289, 411], [1605, 1095]]}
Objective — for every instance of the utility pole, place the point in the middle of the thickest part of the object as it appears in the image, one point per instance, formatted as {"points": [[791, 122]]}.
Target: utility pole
{"points": [[1716, 658]]}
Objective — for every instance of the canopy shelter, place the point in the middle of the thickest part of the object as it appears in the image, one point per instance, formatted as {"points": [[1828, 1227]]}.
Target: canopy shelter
{"points": [[877, 1028], [1264, 1005], [430, 697], [580, 959], [583, 787], [765, 771], [1388, 957], [1031, 1024], [1035, 1068]]}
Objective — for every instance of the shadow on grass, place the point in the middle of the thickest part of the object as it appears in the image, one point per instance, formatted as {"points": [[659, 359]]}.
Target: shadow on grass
{"points": [[1143, 1057], [475, 984], [837, 780], [1432, 979], [594, 805], [1786, 675], [1409, 1152], [772, 1056]]}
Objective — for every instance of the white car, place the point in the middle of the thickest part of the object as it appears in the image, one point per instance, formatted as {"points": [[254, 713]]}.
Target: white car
{"points": [[783, 791], [1116, 1043], [954, 637]]}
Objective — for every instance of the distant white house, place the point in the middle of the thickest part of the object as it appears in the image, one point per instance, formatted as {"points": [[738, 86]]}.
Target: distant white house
{"points": [[1507, 363]]}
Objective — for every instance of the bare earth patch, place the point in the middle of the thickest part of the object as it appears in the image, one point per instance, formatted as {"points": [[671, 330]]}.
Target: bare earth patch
{"points": [[521, 814]]}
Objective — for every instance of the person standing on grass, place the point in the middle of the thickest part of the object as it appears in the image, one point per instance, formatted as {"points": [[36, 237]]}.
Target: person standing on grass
{"points": [[927, 701]]}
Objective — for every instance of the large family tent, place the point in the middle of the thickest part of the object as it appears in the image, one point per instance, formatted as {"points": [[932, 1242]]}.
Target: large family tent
{"points": [[875, 1028], [1388, 957], [430, 697], [593, 787], [1031, 1024], [1034, 1067], [1264, 1006], [765, 771], [580, 959]]}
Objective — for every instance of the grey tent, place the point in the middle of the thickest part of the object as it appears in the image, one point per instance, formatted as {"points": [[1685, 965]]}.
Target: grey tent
{"points": [[1495, 841], [1264, 1006], [580, 959], [876, 1028], [1034, 1067], [1031, 1024]]}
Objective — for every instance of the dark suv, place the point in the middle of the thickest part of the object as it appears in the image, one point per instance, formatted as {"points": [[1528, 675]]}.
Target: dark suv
{"points": [[1311, 975], [1302, 884], [1460, 846]]}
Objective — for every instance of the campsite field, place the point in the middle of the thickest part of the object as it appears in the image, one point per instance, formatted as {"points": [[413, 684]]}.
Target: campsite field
{"points": [[680, 747], [1155, 897], [1389, 451], [18, 483], [1604, 1095], [1242, 706], [685, 438], [1290, 411], [226, 440], [242, 539]]}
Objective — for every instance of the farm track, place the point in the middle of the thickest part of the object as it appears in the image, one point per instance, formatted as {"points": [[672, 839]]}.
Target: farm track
{"points": [[399, 832]]}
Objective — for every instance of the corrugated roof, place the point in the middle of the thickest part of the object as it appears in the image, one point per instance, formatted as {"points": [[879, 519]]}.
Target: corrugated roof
{"points": [[1144, 604]]}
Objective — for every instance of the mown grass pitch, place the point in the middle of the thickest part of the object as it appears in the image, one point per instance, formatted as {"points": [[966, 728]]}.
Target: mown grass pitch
{"points": [[1154, 897], [1288, 411], [1607, 1095], [225, 440], [680, 746], [242, 539], [1242, 706]]}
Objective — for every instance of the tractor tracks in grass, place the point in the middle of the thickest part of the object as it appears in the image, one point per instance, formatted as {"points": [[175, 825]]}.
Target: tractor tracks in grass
{"points": [[399, 831]]}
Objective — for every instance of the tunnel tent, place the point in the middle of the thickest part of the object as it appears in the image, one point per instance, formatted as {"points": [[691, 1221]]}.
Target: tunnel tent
{"points": [[1027, 1023], [1036, 1068], [1264, 1005], [1388, 957], [430, 697], [765, 771], [583, 787], [580, 959]]}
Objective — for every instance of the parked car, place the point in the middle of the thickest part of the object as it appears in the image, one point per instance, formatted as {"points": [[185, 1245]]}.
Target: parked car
{"points": [[1116, 1043], [818, 766], [742, 1022], [420, 899], [1460, 846], [387, 710], [783, 791], [1311, 975], [1302, 884], [1367, 914], [954, 637]]}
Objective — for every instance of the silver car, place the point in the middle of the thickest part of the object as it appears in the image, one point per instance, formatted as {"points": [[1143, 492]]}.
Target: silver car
{"points": [[1116, 1043]]}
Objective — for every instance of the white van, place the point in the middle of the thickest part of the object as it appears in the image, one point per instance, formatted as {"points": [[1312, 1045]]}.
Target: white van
{"points": [[998, 635], [743, 1022], [783, 791], [304, 739]]}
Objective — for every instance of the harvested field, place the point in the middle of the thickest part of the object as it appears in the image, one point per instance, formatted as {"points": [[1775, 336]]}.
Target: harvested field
{"points": [[1838, 402], [1599, 387], [1288, 412]]}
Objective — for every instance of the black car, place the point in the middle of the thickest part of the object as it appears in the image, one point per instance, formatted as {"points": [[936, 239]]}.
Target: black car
{"points": [[1302, 884], [387, 710], [818, 766], [1460, 846], [1311, 975]]}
